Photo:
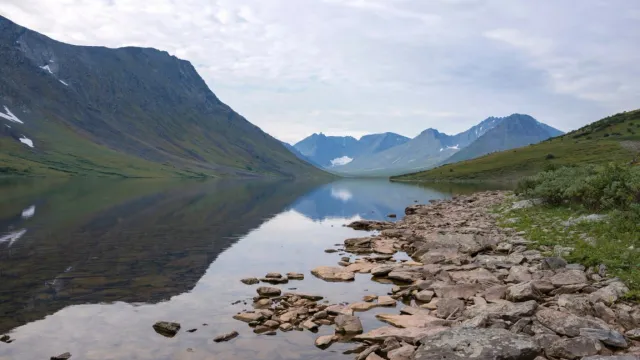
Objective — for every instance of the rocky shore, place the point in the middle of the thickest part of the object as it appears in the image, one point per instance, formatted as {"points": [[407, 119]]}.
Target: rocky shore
{"points": [[472, 290]]}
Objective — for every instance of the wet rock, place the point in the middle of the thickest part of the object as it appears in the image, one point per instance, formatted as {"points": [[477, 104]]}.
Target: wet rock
{"points": [[362, 306], [339, 310], [382, 270], [425, 295], [274, 275], [249, 316], [503, 310], [331, 273], [356, 350], [226, 337], [569, 277], [369, 298], [268, 291], [574, 348], [274, 280], [405, 275], [5, 339], [345, 259], [285, 327], [310, 325], [610, 293], [250, 281], [386, 301], [450, 307], [462, 291], [295, 276], [348, 324], [565, 323], [521, 292], [325, 341], [410, 321], [607, 337], [271, 324], [166, 328], [553, 263], [64, 356], [344, 263], [409, 335], [261, 329], [263, 303], [371, 225], [330, 251], [464, 343]]}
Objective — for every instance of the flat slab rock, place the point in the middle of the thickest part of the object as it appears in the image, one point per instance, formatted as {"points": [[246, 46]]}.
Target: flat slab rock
{"points": [[409, 335], [333, 273], [565, 323], [409, 321], [481, 344]]}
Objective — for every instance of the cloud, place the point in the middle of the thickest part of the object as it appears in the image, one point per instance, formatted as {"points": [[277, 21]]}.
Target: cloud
{"points": [[351, 67]]}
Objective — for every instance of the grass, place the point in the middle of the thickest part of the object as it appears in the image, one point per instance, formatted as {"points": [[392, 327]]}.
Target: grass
{"points": [[614, 242], [613, 139]]}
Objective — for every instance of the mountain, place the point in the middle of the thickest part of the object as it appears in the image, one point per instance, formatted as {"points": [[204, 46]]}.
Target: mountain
{"points": [[424, 151], [335, 151], [130, 112], [299, 155], [514, 131], [612, 139]]}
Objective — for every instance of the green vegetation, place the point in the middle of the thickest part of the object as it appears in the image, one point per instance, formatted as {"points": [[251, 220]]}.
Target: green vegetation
{"points": [[567, 194], [613, 139]]}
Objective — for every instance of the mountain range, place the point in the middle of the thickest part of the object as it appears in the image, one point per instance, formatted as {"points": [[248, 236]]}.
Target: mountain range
{"points": [[427, 150], [130, 112]]}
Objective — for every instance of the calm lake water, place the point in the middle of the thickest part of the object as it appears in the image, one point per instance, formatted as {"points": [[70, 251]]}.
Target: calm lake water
{"points": [[89, 266]]}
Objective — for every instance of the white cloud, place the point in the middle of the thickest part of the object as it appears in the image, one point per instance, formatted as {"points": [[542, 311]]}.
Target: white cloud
{"points": [[344, 160], [378, 65]]}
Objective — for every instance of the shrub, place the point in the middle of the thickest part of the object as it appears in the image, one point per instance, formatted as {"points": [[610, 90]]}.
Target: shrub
{"points": [[549, 157]]}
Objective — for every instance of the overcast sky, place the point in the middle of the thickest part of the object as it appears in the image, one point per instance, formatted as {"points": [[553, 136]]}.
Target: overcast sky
{"points": [[351, 67]]}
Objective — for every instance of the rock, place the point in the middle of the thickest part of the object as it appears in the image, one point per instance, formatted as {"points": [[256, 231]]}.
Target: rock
{"points": [[424, 295], [323, 314], [607, 337], [553, 263], [569, 277], [392, 215], [271, 324], [362, 306], [371, 225], [345, 259], [610, 293], [504, 247], [386, 301], [310, 325], [250, 281], [543, 286], [374, 356], [445, 255], [332, 273], [325, 341], [450, 307], [368, 351], [409, 335], [546, 340], [494, 260], [478, 321], [339, 310], [249, 316], [633, 334], [261, 329], [463, 291], [390, 344], [226, 337], [64, 356], [576, 304], [274, 280], [165, 328], [382, 270], [285, 327], [574, 348], [5, 338], [604, 312], [348, 324], [369, 298], [495, 293], [274, 275], [565, 323], [524, 204], [402, 353], [263, 303], [360, 267], [519, 274], [268, 291], [579, 267], [344, 263], [295, 276], [466, 343], [479, 276], [357, 350], [404, 275], [614, 357], [521, 292], [520, 325], [310, 297], [504, 310], [330, 251], [410, 310], [410, 321]]}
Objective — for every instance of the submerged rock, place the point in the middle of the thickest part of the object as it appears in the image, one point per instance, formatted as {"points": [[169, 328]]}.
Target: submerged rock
{"points": [[64, 356], [250, 281], [226, 337], [166, 328]]}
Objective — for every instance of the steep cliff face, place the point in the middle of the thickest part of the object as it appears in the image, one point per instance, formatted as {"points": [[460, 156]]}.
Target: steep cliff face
{"points": [[127, 111]]}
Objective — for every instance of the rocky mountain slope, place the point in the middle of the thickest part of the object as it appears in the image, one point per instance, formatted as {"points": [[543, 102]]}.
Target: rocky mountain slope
{"points": [[79, 110], [612, 139]]}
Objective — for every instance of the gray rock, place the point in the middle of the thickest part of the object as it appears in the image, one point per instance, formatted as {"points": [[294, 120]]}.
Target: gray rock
{"points": [[574, 348], [546, 340], [64, 356], [610, 293], [410, 335], [166, 328], [465, 343], [576, 304], [607, 337], [462, 291], [524, 204], [569, 277], [348, 324], [325, 341], [575, 267], [250, 281], [504, 310], [553, 263], [390, 344], [604, 312], [450, 307], [521, 292], [368, 351], [268, 291], [614, 357], [633, 334], [495, 293], [382, 270], [402, 353], [565, 323], [295, 276], [226, 337], [519, 274], [405, 275], [273, 275], [425, 295], [332, 273]]}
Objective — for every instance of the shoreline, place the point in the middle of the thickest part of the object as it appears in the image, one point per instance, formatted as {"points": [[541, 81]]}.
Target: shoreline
{"points": [[470, 281]]}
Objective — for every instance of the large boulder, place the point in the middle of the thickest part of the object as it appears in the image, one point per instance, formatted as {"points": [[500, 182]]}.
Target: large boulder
{"points": [[565, 323], [609, 294], [333, 273], [348, 324], [468, 343], [574, 348], [569, 277]]}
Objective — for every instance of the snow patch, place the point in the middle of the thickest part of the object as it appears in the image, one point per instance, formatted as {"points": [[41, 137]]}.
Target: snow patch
{"points": [[25, 140], [29, 212], [63, 83], [441, 149], [12, 236], [341, 194], [455, 147], [341, 161], [9, 116], [47, 68]]}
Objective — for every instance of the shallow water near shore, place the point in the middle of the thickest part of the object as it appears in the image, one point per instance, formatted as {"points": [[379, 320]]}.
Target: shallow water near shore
{"points": [[89, 266]]}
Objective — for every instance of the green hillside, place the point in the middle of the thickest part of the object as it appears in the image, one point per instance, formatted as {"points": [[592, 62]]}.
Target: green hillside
{"points": [[612, 139]]}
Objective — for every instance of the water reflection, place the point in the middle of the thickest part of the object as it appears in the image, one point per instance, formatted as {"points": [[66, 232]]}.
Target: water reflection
{"points": [[97, 263]]}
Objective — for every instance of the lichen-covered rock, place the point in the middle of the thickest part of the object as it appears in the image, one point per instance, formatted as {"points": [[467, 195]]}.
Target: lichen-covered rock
{"points": [[608, 337], [574, 348], [565, 323]]}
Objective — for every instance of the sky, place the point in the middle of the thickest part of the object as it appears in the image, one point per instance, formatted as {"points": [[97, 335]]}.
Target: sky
{"points": [[353, 67]]}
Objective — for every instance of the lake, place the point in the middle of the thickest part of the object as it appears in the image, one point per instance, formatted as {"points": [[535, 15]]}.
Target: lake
{"points": [[88, 266]]}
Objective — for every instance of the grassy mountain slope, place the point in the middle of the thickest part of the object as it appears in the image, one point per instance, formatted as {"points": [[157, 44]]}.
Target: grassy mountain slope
{"points": [[124, 112], [612, 139]]}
